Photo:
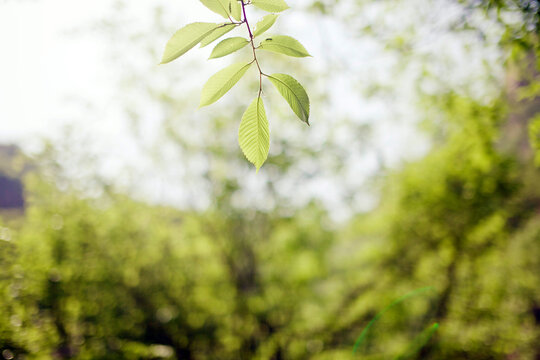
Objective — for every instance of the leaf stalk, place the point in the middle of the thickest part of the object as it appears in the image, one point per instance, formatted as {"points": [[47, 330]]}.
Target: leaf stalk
{"points": [[251, 40]]}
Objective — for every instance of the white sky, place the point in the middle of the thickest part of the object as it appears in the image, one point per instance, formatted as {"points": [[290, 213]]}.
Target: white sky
{"points": [[41, 67], [54, 71]]}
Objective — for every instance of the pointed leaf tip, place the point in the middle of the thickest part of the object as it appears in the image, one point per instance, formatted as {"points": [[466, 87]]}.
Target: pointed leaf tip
{"points": [[264, 24], [185, 39], [294, 93], [254, 134], [284, 44], [228, 46], [217, 33], [221, 82]]}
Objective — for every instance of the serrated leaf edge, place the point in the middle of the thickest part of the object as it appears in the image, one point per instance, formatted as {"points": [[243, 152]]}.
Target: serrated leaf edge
{"points": [[299, 102], [246, 67], [190, 46], [257, 32], [261, 46], [259, 101], [240, 48], [232, 26]]}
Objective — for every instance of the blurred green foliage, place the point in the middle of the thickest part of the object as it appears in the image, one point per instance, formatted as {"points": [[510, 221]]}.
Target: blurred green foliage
{"points": [[112, 278], [108, 277]]}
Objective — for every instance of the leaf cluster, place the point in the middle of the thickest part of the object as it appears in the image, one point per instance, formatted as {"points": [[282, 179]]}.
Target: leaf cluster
{"points": [[253, 135]]}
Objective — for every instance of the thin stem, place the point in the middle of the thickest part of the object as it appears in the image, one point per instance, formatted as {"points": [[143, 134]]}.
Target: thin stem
{"points": [[246, 20], [251, 37], [230, 23]]}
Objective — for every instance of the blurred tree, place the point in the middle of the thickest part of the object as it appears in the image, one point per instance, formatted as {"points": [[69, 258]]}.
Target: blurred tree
{"points": [[466, 217], [257, 274]]}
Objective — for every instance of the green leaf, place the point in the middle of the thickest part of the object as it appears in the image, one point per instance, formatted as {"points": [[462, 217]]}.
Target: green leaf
{"points": [[294, 93], [283, 44], [271, 5], [254, 134], [228, 46], [220, 7], [185, 39], [225, 8], [265, 24], [217, 33], [221, 82], [236, 9]]}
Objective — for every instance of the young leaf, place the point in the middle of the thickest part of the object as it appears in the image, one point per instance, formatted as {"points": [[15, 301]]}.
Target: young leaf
{"points": [[228, 46], [284, 45], [220, 7], [185, 39], [221, 82], [236, 9], [254, 135], [294, 93], [265, 24], [217, 33], [271, 5]]}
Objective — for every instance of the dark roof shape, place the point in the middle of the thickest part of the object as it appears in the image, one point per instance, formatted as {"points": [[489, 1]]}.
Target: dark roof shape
{"points": [[11, 193]]}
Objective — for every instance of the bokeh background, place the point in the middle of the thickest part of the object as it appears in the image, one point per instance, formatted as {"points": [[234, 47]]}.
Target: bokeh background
{"points": [[131, 226]]}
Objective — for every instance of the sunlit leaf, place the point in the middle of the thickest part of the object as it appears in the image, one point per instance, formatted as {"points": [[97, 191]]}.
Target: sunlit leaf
{"points": [[254, 134], [221, 82], [271, 5], [220, 7], [228, 46], [236, 9], [185, 39], [265, 24], [294, 93], [217, 33], [283, 44]]}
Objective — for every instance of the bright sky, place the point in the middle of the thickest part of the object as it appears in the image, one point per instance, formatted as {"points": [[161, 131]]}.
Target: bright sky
{"points": [[55, 71], [41, 67], [53, 65]]}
